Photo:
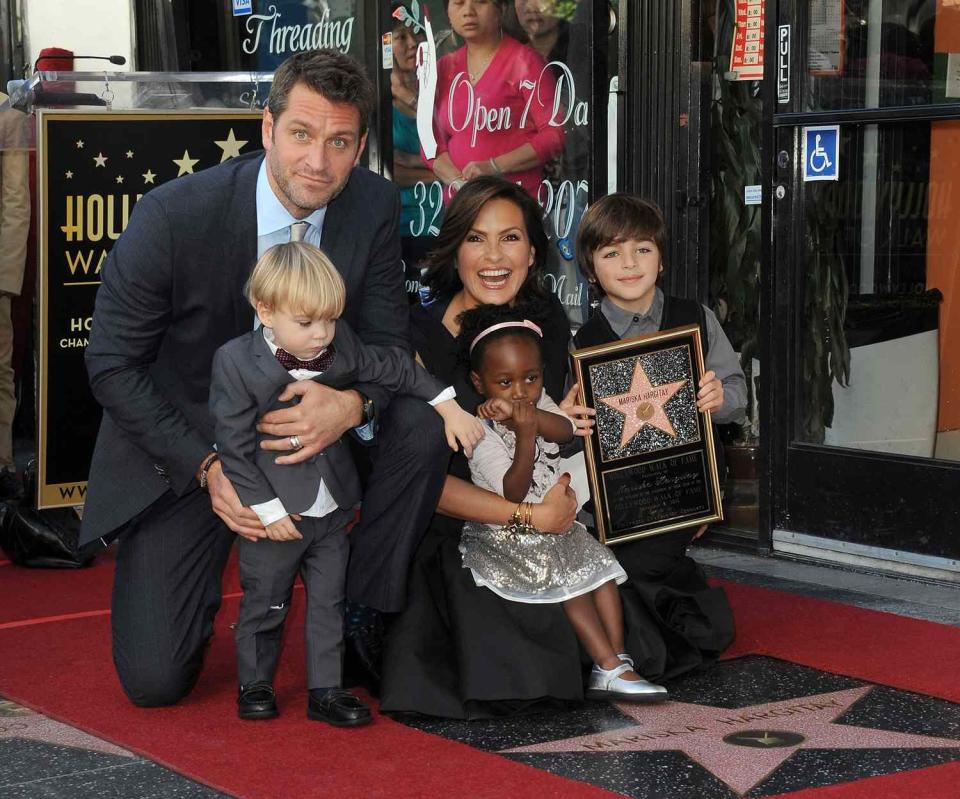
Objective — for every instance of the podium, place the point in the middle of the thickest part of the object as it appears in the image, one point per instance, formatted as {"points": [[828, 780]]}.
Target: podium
{"points": [[102, 141]]}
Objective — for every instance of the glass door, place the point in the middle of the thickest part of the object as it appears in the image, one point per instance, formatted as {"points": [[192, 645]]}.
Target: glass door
{"points": [[504, 77], [863, 312]]}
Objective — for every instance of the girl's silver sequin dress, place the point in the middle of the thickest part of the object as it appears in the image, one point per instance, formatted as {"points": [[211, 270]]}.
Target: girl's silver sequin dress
{"points": [[531, 567]]}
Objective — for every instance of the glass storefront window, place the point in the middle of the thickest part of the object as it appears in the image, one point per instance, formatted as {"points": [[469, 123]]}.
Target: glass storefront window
{"points": [[881, 53], [499, 86], [878, 294], [276, 30]]}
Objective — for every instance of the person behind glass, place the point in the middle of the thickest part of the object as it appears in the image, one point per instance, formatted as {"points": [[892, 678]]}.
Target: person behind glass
{"points": [[518, 458], [675, 621], [444, 655], [485, 121], [409, 168], [305, 508], [546, 33]]}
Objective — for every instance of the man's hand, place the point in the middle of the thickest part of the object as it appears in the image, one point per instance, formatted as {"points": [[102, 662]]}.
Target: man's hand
{"points": [[710, 395], [320, 418], [226, 504], [557, 509], [580, 414], [283, 530]]}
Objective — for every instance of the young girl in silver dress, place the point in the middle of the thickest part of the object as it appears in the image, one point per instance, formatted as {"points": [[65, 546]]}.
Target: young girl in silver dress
{"points": [[518, 458]]}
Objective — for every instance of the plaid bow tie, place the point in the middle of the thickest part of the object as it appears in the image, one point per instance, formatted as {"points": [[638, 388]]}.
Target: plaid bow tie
{"points": [[319, 364]]}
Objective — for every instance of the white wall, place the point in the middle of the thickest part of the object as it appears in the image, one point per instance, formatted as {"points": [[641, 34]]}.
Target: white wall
{"points": [[87, 27]]}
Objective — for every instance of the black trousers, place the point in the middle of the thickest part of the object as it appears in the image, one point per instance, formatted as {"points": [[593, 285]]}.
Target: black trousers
{"points": [[166, 592], [167, 583], [407, 469]]}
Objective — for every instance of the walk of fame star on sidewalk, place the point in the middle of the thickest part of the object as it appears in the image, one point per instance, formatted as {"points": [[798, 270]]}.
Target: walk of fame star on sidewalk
{"points": [[20, 722], [643, 404], [716, 737]]}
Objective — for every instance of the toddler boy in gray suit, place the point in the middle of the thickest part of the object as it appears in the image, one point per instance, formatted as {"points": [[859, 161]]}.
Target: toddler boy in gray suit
{"points": [[305, 507]]}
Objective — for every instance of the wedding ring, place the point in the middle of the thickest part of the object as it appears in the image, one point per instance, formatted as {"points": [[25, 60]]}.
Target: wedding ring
{"points": [[295, 442]]}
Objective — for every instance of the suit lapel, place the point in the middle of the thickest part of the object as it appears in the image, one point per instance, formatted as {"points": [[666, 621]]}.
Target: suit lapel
{"points": [[240, 246], [338, 239], [267, 362]]}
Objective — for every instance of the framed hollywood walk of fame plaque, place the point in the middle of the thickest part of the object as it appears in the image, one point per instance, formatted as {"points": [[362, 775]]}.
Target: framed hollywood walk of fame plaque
{"points": [[651, 460]]}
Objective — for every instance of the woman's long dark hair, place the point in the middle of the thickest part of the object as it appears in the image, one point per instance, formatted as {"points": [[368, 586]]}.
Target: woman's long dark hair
{"points": [[441, 277]]}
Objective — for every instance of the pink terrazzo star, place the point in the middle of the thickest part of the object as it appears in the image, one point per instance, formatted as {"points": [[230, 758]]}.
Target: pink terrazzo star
{"points": [[743, 746], [17, 722], [643, 404]]}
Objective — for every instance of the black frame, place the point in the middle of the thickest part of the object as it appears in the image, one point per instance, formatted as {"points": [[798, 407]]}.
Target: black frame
{"points": [[891, 502]]}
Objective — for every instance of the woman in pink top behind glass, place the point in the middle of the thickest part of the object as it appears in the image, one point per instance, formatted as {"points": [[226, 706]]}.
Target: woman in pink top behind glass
{"points": [[495, 109]]}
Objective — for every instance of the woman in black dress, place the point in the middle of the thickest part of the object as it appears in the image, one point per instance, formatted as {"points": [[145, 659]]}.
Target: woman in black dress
{"points": [[459, 650]]}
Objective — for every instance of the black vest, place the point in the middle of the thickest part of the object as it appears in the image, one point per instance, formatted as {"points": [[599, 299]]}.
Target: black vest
{"points": [[677, 312]]}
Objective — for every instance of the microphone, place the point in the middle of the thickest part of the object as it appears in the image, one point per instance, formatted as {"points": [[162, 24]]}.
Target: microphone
{"points": [[119, 60]]}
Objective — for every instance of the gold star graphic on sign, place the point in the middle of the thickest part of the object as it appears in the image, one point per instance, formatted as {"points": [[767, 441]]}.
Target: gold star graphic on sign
{"points": [[119, 178], [186, 164], [148, 177], [100, 159], [230, 146], [80, 144], [129, 153], [69, 174]]}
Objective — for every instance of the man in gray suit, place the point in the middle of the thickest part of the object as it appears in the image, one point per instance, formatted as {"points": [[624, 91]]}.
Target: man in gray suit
{"points": [[172, 293], [299, 296]]}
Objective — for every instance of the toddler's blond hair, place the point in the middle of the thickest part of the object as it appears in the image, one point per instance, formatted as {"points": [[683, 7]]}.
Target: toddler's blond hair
{"points": [[297, 278]]}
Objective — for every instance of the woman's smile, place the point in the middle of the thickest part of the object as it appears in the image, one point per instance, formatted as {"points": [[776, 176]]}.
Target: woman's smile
{"points": [[494, 279]]}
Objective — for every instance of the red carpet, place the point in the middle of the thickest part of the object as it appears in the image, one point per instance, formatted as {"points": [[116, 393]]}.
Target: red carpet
{"points": [[63, 668], [878, 647]]}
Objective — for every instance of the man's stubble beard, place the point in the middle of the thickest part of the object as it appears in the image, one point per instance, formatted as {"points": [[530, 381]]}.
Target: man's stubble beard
{"points": [[287, 189]]}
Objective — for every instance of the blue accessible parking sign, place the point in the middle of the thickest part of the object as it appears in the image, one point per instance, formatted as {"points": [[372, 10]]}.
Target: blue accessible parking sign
{"points": [[821, 153]]}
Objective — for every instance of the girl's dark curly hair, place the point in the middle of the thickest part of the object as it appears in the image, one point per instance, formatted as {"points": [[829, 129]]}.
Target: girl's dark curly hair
{"points": [[476, 320], [441, 277]]}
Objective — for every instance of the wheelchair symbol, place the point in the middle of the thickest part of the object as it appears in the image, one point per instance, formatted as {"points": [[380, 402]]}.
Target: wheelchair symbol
{"points": [[819, 156]]}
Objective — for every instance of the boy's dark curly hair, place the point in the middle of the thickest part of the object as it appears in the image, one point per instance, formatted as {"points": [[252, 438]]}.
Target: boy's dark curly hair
{"points": [[476, 320]]}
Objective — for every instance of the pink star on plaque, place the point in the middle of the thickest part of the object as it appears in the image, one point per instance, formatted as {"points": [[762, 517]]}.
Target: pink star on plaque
{"points": [[715, 737], [643, 404]]}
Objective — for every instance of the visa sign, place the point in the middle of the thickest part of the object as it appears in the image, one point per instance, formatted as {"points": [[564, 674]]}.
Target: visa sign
{"points": [[242, 7]]}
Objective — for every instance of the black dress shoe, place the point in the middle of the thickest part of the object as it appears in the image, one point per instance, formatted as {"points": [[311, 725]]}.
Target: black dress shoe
{"points": [[363, 632], [256, 701], [10, 485], [339, 708]]}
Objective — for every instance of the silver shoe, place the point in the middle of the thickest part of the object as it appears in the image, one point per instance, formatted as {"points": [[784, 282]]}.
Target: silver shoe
{"points": [[626, 658], [608, 684]]}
